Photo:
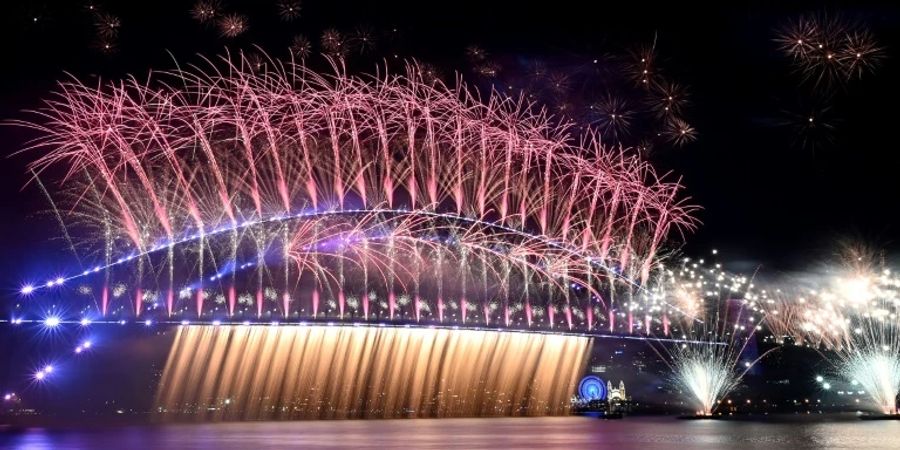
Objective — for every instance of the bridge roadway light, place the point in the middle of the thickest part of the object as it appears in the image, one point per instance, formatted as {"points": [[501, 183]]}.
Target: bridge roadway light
{"points": [[51, 321]]}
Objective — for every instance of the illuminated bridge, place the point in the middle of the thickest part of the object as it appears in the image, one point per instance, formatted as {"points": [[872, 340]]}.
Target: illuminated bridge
{"points": [[387, 231]]}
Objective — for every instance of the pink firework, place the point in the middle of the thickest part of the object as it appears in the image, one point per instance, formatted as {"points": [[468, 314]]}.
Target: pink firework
{"points": [[292, 192]]}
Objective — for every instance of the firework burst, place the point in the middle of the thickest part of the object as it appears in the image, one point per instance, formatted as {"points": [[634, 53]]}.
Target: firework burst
{"points": [[334, 43], [107, 25], [289, 10], [301, 47], [206, 11], [679, 132], [829, 50], [232, 25]]}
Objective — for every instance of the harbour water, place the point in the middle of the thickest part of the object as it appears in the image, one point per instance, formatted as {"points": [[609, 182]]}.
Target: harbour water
{"points": [[644, 433]]}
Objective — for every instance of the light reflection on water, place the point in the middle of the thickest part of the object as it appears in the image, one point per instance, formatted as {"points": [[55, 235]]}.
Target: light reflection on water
{"points": [[545, 432]]}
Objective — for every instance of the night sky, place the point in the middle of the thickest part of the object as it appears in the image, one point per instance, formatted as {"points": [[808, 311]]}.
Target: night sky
{"points": [[768, 198]]}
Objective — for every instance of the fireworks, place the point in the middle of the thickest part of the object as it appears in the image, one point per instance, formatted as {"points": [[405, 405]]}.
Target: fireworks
{"points": [[206, 11], [853, 315], [627, 99], [875, 364], [232, 25], [828, 50], [720, 315], [333, 187], [334, 43], [705, 367], [814, 125], [301, 47], [288, 10], [706, 372], [614, 116], [107, 25], [363, 39], [679, 132]]}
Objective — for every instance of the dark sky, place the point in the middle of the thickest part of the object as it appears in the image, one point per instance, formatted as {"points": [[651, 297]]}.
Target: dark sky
{"points": [[766, 199]]}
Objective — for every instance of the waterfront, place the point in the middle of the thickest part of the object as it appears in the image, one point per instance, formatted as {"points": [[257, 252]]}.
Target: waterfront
{"points": [[645, 433]]}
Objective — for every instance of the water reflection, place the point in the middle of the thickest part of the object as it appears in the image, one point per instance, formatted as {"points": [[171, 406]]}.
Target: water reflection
{"points": [[544, 432]]}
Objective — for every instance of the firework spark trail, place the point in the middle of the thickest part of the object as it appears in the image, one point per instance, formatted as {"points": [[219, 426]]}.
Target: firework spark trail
{"points": [[235, 152]]}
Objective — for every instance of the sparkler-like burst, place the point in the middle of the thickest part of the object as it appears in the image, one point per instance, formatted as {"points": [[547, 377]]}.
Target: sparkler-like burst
{"points": [[332, 187], [720, 314], [874, 362], [706, 372]]}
